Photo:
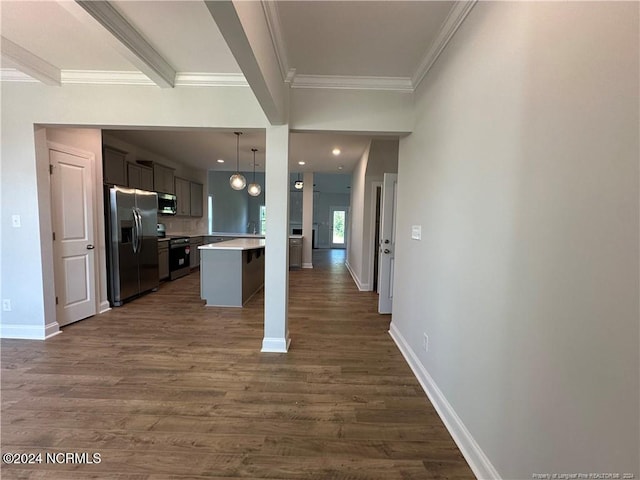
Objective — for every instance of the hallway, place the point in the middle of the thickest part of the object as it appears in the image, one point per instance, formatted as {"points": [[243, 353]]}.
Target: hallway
{"points": [[166, 387]]}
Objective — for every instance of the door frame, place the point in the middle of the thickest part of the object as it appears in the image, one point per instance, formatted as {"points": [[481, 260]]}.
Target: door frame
{"points": [[373, 247], [98, 219]]}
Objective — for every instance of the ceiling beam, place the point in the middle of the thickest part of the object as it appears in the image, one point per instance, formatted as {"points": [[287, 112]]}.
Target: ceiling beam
{"points": [[126, 39], [29, 63], [245, 29]]}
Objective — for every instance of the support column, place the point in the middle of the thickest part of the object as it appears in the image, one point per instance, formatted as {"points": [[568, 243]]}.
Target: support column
{"points": [[307, 220], [276, 274]]}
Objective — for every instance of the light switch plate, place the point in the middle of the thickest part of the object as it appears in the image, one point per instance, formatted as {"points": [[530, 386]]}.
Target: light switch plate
{"points": [[15, 221], [416, 232]]}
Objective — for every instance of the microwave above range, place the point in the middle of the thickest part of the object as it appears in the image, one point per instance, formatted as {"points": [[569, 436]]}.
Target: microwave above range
{"points": [[167, 204]]}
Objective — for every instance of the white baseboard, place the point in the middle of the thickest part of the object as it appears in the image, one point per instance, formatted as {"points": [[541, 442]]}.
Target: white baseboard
{"points": [[104, 307], [473, 454], [275, 345], [307, 265], [30, 332], [363, 287]]}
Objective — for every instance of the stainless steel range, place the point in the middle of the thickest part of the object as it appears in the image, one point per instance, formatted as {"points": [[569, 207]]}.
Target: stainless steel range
{"points": [[179, 251]]}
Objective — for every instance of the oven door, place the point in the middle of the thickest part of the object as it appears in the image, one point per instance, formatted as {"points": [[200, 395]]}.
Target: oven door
{"points": [[179, 261]]}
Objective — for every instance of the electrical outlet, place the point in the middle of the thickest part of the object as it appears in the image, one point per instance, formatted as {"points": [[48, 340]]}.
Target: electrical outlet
{"points": [[425, 342], [6, 305]]}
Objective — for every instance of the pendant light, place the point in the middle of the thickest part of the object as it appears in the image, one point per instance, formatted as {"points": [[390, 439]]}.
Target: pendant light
{"points": [[237, 180], [254, 189], [299, 183]]}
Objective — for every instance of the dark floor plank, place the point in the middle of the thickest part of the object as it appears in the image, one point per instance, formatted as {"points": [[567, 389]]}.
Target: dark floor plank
{"points": [[166, 388]]}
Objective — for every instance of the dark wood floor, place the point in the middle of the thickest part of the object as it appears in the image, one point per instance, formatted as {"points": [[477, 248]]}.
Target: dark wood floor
{"points": [[167, 388]]}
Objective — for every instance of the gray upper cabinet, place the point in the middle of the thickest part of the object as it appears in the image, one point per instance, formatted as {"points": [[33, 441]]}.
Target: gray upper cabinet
{"points": [[163, 179], [115, 167], [196, 199], [139, 176], [183, 196]]}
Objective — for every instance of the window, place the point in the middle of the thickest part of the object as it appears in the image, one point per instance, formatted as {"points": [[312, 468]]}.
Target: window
{"points": [[338, 227], [263, 220]]}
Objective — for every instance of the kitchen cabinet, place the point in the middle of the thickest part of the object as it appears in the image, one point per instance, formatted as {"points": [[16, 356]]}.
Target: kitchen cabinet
{"points": [[196, 199], [295, 253], [163, 259], [183, 196], [114, 166], [163, 179], [194, 254], [139, 176]]}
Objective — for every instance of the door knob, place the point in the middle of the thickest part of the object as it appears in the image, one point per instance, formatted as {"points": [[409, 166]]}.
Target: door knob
{"points": [[386, 250], [386, 241], [90, 247]]}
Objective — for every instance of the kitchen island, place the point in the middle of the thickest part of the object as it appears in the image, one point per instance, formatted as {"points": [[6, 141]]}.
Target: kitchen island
{"points": [[231, 272]]}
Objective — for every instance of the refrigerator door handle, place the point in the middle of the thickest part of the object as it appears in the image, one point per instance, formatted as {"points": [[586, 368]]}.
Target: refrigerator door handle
{"points": [[140, 230], [136, 231]]}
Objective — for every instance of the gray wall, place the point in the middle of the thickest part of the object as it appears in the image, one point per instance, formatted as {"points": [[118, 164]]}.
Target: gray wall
{"points": [[381, 157], [236, 211], [523, 172]]}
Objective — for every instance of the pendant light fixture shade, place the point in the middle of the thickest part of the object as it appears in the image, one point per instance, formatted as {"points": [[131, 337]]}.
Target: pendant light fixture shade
{"points": [[298, 184], [254, 188], [237, 180]]}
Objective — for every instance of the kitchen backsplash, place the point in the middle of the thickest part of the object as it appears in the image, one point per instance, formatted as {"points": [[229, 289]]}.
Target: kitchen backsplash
{"points": [[177, 225]]}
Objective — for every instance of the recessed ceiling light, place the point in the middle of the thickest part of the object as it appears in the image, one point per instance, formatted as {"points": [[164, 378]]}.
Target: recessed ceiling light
{"points": [[336, 151], [301, 162], [340, 167], [220, 160]]}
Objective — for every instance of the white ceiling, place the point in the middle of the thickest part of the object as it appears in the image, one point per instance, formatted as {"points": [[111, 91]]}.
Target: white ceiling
{"points": [[352, 37], [359, 39], [201, 148]]}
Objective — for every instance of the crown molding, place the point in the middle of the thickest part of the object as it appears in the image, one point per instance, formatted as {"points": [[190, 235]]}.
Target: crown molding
{"points": [[15, 75], [277, 37], [128, 41], [456, 16], [194, 79], [401, 84], [103, 77], [30, 64]]}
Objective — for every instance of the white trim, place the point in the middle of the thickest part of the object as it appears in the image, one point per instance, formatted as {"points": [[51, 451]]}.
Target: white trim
{"points": [[401, 84], [104, 307], [30, 332], [272, 17], [15, 75], [307, 265], [456, 16], [275, 345], [196, 79], [128, 41], [107, 77], [291, 75], [51, 330], [29, 63], [363, 287], [473, 454]]}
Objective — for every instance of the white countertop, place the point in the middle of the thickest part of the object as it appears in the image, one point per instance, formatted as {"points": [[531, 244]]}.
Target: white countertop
{"points": [[237, 244]]}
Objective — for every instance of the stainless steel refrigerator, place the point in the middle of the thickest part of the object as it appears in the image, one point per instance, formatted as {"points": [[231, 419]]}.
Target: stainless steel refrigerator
{"points": [[132, 217]]}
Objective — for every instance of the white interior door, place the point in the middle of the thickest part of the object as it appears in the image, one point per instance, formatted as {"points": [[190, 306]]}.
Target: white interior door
{"points": [[73, 245], [387, 243], [338, 227]]}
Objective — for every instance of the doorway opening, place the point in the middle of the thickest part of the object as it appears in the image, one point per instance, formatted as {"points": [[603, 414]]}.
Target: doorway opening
{"points": [[338, 227]]}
